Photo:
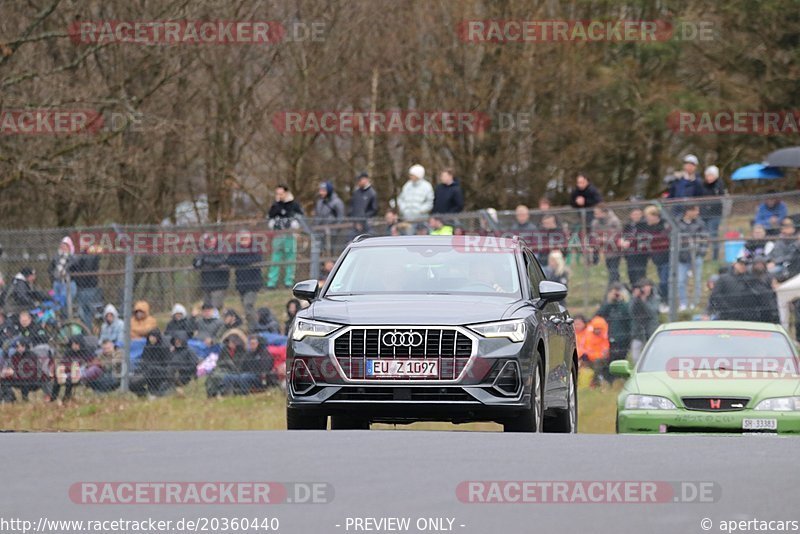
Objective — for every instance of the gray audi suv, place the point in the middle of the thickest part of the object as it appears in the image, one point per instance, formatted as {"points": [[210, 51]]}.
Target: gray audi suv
{"points": [[433, 328]]}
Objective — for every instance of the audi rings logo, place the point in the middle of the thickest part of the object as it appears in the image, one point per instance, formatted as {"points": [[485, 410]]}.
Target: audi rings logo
{"points": [[402, 339]]}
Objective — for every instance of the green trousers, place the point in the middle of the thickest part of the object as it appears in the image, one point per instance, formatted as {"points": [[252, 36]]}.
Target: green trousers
{"points": [[284, 249]]}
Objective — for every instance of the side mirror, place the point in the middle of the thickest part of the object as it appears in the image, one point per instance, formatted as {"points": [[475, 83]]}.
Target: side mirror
{"points": [[552, 291], [620, 368], [306, 290]]}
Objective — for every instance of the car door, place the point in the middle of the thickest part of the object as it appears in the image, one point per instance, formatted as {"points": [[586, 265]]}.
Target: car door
{"points": [[554, 317]]}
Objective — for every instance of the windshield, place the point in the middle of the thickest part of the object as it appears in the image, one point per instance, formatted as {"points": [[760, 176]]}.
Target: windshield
{"points": [[425, 269], [710, 349]]}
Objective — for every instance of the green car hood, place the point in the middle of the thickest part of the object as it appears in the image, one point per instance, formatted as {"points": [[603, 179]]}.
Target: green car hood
{"points": [[664, 385]]}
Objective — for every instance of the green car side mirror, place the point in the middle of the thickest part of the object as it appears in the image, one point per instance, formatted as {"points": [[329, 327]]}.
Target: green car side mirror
{"points": [[620, 368]]}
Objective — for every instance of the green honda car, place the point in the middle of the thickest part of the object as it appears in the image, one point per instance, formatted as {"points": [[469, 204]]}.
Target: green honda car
{"points": [[712, 377]]}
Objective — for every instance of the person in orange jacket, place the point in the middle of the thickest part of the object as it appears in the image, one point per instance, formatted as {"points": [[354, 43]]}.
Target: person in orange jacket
{"points": [[142, 322], [592, 344]]}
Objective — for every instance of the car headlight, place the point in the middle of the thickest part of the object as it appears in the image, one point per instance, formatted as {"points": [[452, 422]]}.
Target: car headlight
{"points": [[513, 330], [307, 327], [780, 404], [648, 402]]}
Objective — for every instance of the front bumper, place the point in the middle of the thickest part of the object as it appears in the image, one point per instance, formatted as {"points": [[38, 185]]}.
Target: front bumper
{"points": [[691, 421], [473, 396]]}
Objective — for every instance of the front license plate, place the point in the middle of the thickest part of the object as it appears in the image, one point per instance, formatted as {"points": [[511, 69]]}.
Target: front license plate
{"points": [[402, 368], [759, 424]]}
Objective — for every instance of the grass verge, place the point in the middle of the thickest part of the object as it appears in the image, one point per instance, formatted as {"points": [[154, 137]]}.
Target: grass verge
{"points": [[191, 410]]}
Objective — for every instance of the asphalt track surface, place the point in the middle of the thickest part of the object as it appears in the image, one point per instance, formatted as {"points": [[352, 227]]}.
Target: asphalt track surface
{"points": [[406, 474]]}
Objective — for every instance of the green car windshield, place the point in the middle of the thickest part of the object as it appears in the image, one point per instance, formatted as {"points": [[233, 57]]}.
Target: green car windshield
{"points": [[713, 348], [425, 269]]}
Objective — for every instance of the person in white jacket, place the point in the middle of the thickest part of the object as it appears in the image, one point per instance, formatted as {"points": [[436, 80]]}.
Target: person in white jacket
{"points": [[416, 197]]}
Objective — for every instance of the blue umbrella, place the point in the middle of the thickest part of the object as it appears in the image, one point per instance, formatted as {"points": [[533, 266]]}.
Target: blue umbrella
{"points": [[756, 171]]}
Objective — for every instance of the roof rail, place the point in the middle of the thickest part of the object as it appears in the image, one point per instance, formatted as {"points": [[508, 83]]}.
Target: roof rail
{"points": [[361, 237]]}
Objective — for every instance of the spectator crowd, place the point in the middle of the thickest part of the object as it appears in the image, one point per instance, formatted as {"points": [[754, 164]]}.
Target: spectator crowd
{"points": [[243, 351]]}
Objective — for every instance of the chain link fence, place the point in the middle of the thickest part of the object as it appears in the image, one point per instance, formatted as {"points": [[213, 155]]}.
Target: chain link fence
{"points": [[629, 266]]}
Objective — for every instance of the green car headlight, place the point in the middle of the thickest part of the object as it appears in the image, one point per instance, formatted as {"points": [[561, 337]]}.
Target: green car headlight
{"points": [[306, 327], [648, 402], [513, 330], [780, 404]]}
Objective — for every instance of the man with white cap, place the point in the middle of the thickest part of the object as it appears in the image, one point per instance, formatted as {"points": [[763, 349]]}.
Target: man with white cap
{"points": [[416, 197], [686, 183], [711, 210]]}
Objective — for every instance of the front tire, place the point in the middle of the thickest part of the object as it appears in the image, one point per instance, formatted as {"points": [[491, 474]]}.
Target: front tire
{"points": [[566, 421], [530, 420], [299, 420]]}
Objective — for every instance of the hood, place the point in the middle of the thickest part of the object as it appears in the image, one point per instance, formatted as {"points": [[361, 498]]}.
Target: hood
{"points": [[237, 319], [112, 310], [154, 332], [411, 309], [142, 306], [179, 308], [180, 334], [20, 277], [70, 245], [80, 340], [661, 383]]}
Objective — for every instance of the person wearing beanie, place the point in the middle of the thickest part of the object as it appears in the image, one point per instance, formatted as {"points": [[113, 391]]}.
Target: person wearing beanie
{"points": [[416, 196], [328, 208], [364, 201], [22, 295], [687, 183], [711, 210]]}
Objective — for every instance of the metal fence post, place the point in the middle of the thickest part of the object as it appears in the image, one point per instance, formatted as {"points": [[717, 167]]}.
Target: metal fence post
{"points": [[127, 306], [674, 256], [69, 298], [588, 257], [314, 253]]}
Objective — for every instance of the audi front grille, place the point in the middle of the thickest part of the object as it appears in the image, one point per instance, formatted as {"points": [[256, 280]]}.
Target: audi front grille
{"points": [[450, 347]]}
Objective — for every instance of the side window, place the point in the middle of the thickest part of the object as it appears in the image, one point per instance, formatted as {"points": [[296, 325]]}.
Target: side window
{"points": [[535, 274]]}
